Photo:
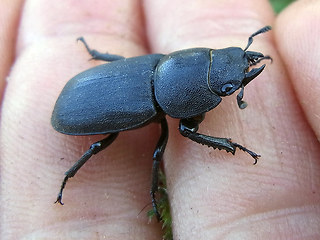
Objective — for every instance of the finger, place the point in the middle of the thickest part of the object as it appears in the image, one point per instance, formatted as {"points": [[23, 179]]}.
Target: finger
{"points": [[300, 51], [218, 194], [202, 24], [104, 199], [9, 18]]}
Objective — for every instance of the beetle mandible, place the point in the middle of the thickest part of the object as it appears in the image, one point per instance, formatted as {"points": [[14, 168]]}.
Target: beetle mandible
{"points": [[129, 93]]}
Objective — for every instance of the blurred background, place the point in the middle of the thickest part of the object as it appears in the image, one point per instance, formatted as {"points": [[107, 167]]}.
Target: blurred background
{"points": [[279, 5]]}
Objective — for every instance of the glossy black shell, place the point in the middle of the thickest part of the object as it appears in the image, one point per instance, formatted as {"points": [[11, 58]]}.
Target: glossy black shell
{"points": [[181, 83], [112, 97]]}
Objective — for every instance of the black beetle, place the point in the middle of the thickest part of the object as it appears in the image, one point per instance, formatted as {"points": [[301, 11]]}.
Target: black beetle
{"points": [[129, 93]]}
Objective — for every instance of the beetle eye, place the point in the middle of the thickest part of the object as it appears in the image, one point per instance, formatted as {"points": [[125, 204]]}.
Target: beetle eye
{"points": [[226, 88]]}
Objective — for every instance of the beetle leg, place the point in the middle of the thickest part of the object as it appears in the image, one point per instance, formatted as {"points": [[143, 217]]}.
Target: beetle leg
{"points": [[157, 157], [189, 127], [94, 149], [98, 55]]}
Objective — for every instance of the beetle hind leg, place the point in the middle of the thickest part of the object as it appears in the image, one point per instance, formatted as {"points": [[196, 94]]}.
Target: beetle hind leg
{"points": [[157, 157], [98, 55], [94, 149], [189, 127]]}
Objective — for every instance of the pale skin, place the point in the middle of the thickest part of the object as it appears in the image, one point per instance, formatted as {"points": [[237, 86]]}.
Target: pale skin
{"points": [[213, 194]]}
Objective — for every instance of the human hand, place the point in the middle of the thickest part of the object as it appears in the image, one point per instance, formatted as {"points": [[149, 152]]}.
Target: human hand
{"points": [[213, 195]]}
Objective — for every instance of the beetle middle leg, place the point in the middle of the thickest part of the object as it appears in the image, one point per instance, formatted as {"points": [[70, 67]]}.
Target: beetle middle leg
{"points": [[94, 149], [157, 157], [98, 55], [189, 127]]}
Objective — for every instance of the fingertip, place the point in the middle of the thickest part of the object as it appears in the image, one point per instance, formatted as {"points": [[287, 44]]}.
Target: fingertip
{"points": [[297, 32]]}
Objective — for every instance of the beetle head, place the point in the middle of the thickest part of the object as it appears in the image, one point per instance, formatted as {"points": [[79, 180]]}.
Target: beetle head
{"points": [[231, 69]]}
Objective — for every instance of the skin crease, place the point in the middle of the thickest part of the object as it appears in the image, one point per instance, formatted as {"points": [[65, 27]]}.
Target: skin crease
{"points": [[213, 194]]}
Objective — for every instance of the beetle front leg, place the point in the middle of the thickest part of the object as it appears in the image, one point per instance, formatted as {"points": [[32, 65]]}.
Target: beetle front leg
{"points": [[98, 55], [157, 157], [94, 149], [189, 127]]}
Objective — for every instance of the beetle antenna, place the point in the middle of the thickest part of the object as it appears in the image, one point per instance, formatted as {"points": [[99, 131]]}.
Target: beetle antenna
{"points": [[262, 30]]}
